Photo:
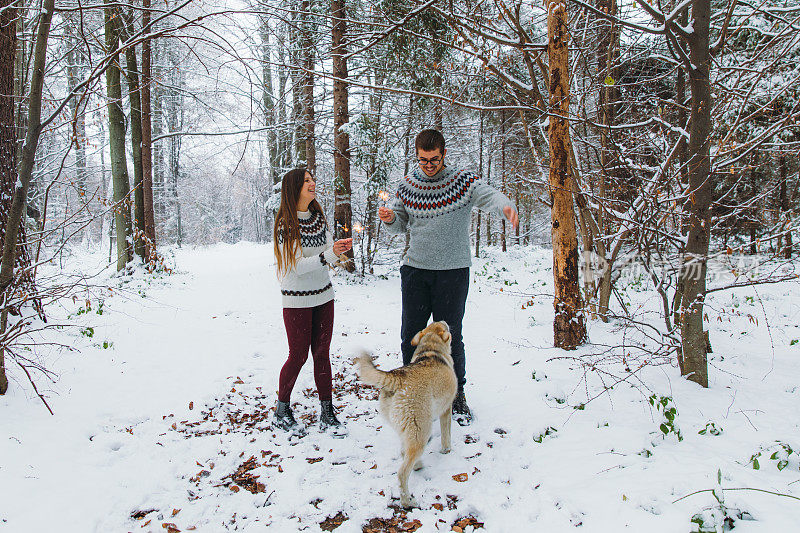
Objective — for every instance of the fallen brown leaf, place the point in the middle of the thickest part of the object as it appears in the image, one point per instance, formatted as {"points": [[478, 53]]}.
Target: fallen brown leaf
{"points": [[412, 526], [462, 523], [332, 522]]}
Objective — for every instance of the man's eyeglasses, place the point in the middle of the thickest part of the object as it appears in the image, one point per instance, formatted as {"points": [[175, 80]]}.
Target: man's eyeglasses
{"points": [[425, 162]]}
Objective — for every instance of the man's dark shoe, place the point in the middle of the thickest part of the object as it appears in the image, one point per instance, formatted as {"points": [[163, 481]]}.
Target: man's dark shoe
{"points": [[328, 420], [284, 419], [461, 413]]}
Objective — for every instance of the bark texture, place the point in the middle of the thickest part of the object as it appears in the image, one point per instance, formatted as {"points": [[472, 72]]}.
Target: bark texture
{"points": [[607, 58], [8, 134], [116, 138], [135, 97], [147, 136], [343, 211], [569, 325], [694, 265], [23, 181], [307, 86]]}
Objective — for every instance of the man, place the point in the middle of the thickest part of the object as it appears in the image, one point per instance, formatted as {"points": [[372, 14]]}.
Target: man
{"points": [[434, 204]]}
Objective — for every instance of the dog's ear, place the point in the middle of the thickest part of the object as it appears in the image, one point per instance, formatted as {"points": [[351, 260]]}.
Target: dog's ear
{"points": [[417, 338], [443, 331]]}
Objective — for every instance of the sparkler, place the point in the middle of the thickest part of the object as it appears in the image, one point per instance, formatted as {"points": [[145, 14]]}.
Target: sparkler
{"points": [[384, 196]]}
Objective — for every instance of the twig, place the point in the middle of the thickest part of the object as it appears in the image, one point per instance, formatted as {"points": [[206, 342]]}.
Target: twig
{"points": [[30, 378], [739, 488]]}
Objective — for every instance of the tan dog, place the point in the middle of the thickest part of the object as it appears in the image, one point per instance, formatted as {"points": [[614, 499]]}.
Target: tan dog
{"points": [[415, 395]]}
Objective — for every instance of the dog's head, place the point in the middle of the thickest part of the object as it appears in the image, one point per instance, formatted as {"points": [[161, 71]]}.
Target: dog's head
{"points": [[440, 329]]}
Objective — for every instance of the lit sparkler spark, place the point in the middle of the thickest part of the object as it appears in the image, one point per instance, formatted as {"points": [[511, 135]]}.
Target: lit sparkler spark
{"points": [[384, 196]]}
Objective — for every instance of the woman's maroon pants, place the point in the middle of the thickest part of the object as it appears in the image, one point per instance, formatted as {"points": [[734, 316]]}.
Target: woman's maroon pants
{"points": [[308, 327]]}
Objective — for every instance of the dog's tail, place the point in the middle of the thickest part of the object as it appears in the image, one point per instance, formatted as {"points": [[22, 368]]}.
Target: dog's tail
{"points": [[391, 381]]}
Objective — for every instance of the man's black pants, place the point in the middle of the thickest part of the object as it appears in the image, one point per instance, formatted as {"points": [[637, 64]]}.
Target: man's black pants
{"points": [[442, 293]]}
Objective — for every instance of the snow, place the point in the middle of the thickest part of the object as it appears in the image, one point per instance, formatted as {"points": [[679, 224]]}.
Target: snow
{"points": [[132, 430]]}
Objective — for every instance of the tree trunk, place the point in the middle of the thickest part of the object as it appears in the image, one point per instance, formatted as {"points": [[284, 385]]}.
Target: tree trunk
{"points": [[270, 108], [307, 87], [21, 70], [147, 136], [694, 265], [134, 96], [785, 209], [438, 111], [343, 212], [607, 53], [488, 216], [77, 105], [503, 172], [284, 134], [568, 326], [480, 173], [607, 46], [174, 117], [21, 184], [518, 202], [407, 162], [407, 140], [376, 180], [158, 149], [753, 212], [680, 90], [295, 56], [8, 132], [116, 138]]}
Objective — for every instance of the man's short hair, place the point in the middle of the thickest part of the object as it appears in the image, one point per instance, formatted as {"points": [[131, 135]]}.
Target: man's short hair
{"points": [[429, 140]]}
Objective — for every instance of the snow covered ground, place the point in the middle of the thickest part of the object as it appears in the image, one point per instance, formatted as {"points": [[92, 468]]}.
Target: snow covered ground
{"points": [[162, 414]]}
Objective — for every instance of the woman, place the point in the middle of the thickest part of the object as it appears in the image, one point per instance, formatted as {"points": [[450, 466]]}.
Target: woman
{"points": [[303, 250]]}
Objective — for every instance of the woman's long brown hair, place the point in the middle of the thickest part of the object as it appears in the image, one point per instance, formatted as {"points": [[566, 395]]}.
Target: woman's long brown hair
{"points": [[286, 234]]}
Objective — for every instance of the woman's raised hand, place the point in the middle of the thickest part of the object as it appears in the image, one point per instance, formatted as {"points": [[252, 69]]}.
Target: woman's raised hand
{"points": [[342, 245]]}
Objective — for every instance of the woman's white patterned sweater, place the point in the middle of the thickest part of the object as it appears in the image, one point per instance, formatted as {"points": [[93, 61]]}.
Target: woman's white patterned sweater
{"points": [[436, 213], [308, 283]]}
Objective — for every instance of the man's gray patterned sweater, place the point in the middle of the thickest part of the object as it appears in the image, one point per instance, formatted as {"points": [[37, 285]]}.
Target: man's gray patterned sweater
{"points": [[436, 213]]}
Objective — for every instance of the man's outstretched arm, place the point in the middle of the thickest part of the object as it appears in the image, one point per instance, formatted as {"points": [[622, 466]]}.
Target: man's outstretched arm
{"points": [[487, 198]]}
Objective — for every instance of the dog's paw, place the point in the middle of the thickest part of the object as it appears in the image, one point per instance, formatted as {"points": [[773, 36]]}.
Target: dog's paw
{"points": [[408, 502], [445, 450], [419, 466]]}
